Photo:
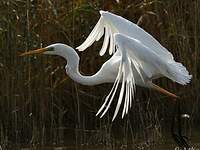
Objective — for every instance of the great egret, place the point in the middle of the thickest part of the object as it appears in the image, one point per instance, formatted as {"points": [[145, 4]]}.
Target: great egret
{"points": [[137, 59]]}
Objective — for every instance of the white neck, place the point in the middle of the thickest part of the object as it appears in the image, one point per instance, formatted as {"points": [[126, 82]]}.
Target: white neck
{"points": [[72, 69], [85, 80]]}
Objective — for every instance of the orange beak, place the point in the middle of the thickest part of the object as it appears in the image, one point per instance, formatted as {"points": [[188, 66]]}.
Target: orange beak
{"points": [[156, 87], [37, 51]]}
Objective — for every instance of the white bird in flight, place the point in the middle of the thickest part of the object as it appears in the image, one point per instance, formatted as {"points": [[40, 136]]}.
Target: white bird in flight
{"points": [[137, 59]]}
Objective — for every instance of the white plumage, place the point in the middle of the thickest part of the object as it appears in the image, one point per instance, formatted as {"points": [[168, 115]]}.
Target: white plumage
{"points": [[137, 59]]}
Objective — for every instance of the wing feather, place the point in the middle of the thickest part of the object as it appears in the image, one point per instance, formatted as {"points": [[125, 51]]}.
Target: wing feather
{"points": [[127, 79], [105, 43], [99, 27], [112, 94]]}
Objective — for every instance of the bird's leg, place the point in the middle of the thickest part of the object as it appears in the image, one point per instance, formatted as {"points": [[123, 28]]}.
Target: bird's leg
{"points": [[177, 136], [156, 87]]}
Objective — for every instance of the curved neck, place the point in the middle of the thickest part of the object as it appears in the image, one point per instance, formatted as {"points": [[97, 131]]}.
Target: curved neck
{"points": [[85, 80], [72, 69]]}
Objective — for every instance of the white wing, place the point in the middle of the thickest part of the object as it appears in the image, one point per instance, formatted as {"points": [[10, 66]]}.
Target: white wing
{"points": [[125, 76], [130, 66], [137, 60], [116, 24]]}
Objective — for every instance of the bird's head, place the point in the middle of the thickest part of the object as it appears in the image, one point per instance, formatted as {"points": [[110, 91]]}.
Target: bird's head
{"points": [[59, 49], [54, 49]]}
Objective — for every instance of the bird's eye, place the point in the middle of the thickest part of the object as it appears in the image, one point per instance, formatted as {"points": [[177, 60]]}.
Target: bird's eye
{"points": [[50, 48]]}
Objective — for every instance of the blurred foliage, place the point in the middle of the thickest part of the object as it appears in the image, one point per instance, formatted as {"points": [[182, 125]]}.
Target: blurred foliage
{"points": [[40, 105]]}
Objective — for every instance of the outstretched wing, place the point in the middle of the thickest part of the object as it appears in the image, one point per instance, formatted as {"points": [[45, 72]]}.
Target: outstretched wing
{"points": [[138, 64], [130, 67], [111, 24]]}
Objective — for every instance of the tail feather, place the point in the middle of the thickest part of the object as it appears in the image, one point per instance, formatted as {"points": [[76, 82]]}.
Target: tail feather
{"points": [[178, 73]]}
